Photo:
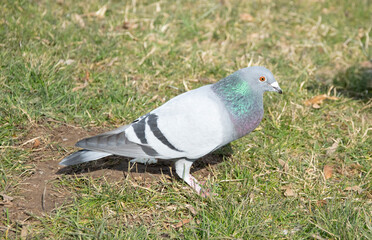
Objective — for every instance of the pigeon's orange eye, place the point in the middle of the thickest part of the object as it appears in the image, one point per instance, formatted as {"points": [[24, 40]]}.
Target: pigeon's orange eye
{"points": [[262, 79]]}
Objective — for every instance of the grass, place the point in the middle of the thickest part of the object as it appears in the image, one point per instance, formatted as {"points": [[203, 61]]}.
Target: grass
{"points": [[61, 63]]}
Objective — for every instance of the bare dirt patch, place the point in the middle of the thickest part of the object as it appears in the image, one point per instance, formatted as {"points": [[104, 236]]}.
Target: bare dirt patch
{"points": [[39, 193]]}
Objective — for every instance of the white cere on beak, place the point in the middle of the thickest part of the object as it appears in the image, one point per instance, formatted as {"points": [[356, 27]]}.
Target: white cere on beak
{"points": [[275, 85]]}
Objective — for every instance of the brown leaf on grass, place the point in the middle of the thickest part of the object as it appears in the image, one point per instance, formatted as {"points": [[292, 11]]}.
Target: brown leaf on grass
{"points": [[316, 101], [321, 203], [65, 62], [181, 223], [112, 62], [24, 232], [33, 141], [334, 147], [350, 170], [76, 18], [356, 166], [5, 197], [36, 143], [246, 17], [129, 25], [7, 200], [289, 191], [101, 12], [80, 86], [328, 171], [369, 195], [284, 165], [191, 208], [171, 208], [357, 189]]}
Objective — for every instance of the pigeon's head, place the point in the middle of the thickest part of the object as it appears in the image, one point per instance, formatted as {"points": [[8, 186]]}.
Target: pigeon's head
{"points": [[261, 79]]}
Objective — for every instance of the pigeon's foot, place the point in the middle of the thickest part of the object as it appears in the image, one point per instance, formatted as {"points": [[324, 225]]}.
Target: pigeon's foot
{"points": [[144, 160], [183, 171], [200, 188], [206, 191]]}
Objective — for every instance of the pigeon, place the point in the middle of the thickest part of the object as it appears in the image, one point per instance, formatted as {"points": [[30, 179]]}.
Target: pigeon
{"points": [[188, 126]]}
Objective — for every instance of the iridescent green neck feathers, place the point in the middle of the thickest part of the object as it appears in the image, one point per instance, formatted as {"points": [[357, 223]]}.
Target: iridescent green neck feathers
{"points": [[242, 101]]}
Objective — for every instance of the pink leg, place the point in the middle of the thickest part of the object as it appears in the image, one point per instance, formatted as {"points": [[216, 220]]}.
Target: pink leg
{"points": [[183, 171], [194, 184]]}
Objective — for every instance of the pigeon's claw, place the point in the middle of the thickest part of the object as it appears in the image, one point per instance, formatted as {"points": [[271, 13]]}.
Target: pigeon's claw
{"points": [[183, 171], [194, 184]]}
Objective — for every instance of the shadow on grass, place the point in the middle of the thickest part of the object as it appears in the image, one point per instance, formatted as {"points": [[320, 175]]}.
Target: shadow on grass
{"points": [[122, 164], [356, 81]]}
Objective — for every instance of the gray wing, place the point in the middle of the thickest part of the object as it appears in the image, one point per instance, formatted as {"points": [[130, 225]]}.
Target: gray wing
{"points": [[82, 156], [115, 142]]}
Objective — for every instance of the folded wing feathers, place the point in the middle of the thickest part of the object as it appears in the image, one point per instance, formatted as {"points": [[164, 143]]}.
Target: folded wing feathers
{"points": [[117, 144], [82, 156]]}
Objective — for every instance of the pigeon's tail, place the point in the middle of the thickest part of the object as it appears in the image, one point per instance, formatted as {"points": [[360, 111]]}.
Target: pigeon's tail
{"points": [[82, 156]]}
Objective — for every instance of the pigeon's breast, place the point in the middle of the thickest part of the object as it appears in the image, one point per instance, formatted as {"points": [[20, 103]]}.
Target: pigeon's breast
{"points": [[246, 124]]}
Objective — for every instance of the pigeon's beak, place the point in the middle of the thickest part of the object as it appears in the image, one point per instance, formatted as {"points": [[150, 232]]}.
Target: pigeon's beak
{"points": [[276, 87]]}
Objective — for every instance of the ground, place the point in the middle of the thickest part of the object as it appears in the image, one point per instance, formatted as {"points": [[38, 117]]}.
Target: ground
{"points": [[71, 69]]}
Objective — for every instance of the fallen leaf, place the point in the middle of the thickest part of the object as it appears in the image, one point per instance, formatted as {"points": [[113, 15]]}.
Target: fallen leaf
{"points": [[80, 86], [251, 197], [316, 101], [181, 223], [36, 143], [112, 62], [24, 232], [76, 18], [369, 195], [30, 141], [129, 25], [289, 191], [356, 166], [69, 61], [316, 106], [6, 198], [321, 203], [246, 17], [171, 208], [357, 189], [101, 12], [284, 165], [65, 62], [87, 76], [191, 208], [328, 171], [334, 147]]}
